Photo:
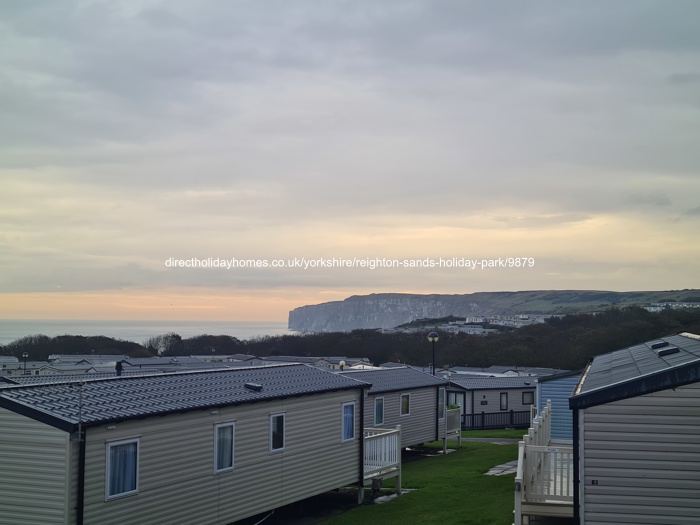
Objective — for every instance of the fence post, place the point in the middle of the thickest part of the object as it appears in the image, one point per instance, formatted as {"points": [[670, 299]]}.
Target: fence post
{"points": [[398, 451], [519, 486]]}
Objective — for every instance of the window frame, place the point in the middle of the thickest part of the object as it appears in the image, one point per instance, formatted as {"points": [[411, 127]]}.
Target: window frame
{"points": [[455, 398], [501, 398], [217, 426], [108, 467], [273, 417], [408, 405], [376, 400], [532, 396], [343, 437]]}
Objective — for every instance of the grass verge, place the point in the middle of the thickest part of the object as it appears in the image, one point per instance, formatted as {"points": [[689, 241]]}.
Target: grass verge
{"points": [[451, 490]]}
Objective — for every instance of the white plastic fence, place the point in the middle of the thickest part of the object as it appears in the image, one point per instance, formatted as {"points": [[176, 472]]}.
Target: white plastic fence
{"points": [[382, 451], [545, 473]]}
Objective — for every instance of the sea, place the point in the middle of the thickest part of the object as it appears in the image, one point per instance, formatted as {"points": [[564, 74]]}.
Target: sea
{"points": [[138, 331]]}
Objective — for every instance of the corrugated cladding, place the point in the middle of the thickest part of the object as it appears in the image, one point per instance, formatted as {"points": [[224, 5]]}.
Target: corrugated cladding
{"points": [[419, 425], [34, 475], [484, 393], [489, 401], [177, 482], [72, 479], [558, 390], [641, 459]]}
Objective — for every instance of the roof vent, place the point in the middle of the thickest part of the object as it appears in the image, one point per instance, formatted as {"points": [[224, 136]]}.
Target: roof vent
{"points": [[659, 344], [668, 351], [253, 386]]}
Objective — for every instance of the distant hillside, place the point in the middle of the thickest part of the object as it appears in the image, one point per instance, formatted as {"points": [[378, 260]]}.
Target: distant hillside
{"points": [[387, 310]]}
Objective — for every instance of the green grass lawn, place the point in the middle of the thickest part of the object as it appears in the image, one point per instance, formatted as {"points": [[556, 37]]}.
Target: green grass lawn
{"points": [[451, 489]]}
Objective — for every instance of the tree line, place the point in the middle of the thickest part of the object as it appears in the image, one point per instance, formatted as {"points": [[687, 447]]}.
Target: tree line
{"points": [[566, 343]]}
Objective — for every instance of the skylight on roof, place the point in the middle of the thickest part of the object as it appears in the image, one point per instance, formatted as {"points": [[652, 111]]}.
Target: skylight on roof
{"points": [[667, 351]]}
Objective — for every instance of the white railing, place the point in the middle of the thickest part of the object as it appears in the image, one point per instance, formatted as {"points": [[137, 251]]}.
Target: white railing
{"points": [[545, 473], [550, 472], [539, 432], [382, 451]]}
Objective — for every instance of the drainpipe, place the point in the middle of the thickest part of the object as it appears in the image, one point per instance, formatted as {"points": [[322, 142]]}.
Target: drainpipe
{"points": [[81, 479]]}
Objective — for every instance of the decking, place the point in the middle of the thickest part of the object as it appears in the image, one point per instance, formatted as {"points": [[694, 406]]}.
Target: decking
{"points": [[382, 457], [544, 480], [382, 450]]}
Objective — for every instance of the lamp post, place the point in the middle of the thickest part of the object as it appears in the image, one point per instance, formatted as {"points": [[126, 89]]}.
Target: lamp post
{"points": [[433, 338], [25, 355]]}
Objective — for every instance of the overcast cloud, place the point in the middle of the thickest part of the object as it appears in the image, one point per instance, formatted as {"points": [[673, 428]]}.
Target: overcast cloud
{"points": [[135, 131]]}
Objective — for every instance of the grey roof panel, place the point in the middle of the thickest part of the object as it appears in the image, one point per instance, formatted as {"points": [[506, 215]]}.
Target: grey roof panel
{"points": [[395, 379], [241, 357], [521, 370], [556, 377], [633, 370], [69, 378], [487, 383], [121, 398], [159, 361], [348, 360], [292, 359], [637, 361]]}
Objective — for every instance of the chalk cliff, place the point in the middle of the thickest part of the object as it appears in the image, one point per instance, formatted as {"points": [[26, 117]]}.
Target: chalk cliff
{"points": [[376, 311], [387, 310]]}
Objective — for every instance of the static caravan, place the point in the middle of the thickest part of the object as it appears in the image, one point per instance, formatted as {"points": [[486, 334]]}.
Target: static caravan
{"points": [[558, 389], [492, 402], [636, 416], [210, 447], [407, 397]]}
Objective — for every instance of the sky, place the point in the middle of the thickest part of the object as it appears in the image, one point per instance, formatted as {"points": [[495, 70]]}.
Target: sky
{"points": [[555, 144]]}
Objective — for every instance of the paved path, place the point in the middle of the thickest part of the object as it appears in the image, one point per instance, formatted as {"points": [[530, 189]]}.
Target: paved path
{"points": [[501, 470], [506, 468]]}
